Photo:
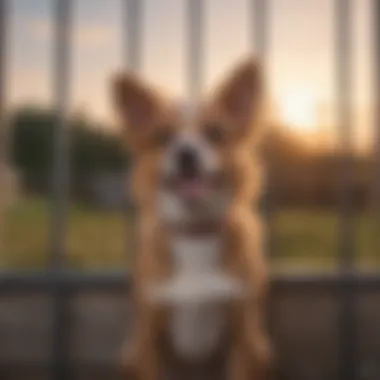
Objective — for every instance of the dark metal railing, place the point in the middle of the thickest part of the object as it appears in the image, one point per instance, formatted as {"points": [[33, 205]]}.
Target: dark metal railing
{"points": [[61, 281]]}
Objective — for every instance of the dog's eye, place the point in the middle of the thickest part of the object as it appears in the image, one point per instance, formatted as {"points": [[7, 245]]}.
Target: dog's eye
{"points": [[214, 132], [163, 136]]}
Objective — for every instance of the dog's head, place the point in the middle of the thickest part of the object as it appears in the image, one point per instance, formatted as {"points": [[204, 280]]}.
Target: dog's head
{"points": [[187, 158]]}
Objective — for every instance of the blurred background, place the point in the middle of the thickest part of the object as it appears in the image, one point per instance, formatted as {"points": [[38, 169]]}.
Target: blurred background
{"points": [[66, 214]]}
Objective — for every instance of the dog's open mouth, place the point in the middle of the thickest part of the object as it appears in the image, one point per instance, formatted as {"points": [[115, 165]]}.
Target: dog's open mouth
{"points": [[196, 189]]}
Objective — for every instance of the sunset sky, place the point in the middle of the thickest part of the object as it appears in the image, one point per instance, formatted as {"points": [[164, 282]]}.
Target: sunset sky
{"points": [[300, 65]]}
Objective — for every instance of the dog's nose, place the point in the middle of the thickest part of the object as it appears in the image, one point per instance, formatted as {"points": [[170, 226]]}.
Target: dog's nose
{"points": [[187, 160]]}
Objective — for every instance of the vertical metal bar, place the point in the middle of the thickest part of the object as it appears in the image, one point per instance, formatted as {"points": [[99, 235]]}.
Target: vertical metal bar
{"points": [[61, 80], [195, 51], [194, 61], [260, 13], [133, 15], [344, 89], [194, 68], [132, 59], [376, 103], [3, 126], [132, 12], [260, 41], [376, 118], [61, 144], [343, 26]]}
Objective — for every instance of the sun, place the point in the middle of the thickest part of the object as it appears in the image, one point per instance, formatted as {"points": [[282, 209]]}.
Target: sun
{"points": [[298, 110]]}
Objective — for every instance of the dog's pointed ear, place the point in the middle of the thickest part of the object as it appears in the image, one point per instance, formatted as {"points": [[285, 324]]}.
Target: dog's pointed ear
{"points": [[240, 96], [135, 103]]}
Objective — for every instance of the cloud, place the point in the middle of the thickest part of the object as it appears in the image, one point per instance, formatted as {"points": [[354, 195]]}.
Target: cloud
{"points": [[86, 36]]}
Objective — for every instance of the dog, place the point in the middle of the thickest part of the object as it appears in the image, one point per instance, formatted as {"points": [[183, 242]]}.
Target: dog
{"points": [[199, 277]]}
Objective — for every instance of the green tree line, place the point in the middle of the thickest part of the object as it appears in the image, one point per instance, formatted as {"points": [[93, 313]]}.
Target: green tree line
{"points": [[92, 150]]}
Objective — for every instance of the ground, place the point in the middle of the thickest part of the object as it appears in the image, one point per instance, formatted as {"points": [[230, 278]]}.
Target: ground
{"points": [[99, 239]]}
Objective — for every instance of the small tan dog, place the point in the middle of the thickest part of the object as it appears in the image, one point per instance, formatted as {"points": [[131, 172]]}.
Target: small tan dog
{"points": [[200, 279]]}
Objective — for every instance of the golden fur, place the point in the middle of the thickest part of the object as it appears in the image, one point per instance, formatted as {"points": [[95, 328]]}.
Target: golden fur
{"points": [[249, 353]]}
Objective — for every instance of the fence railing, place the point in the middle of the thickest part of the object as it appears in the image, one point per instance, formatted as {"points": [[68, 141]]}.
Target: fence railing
{"points": [[62, 281]]}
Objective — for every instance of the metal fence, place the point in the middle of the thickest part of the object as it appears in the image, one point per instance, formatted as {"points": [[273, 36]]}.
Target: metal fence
{"points": [[61, 281]]}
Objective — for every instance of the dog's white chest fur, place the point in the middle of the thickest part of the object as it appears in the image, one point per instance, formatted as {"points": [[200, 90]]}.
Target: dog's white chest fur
{"points": [[197, 325]]}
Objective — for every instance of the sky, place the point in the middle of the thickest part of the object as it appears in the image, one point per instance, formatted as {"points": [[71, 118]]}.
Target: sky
{"points": [[300, 61]]}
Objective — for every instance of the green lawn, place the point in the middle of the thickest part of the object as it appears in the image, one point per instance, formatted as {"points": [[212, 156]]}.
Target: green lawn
{"points": [[96, 239]]}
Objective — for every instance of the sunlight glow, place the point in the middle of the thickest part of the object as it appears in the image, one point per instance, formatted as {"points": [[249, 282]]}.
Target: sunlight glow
{"points": [[298, 110]]}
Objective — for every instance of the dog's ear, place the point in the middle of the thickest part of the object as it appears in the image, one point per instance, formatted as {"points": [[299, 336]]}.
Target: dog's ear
{"points": [[241, 95], [135, 103]]}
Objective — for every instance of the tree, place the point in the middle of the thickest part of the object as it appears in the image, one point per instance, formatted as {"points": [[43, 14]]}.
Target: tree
{"points": [[92, 149]]}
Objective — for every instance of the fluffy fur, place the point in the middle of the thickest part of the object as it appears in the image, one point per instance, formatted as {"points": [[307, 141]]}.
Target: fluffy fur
{"points": [[223, 132]]}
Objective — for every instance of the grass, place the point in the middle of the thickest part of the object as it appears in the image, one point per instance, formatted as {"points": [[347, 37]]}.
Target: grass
{"points": [[309, 238], [97, 239]]}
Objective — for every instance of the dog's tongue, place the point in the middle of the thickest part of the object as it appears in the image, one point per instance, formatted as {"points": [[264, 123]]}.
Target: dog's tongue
{"points": [[192, 189]]}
